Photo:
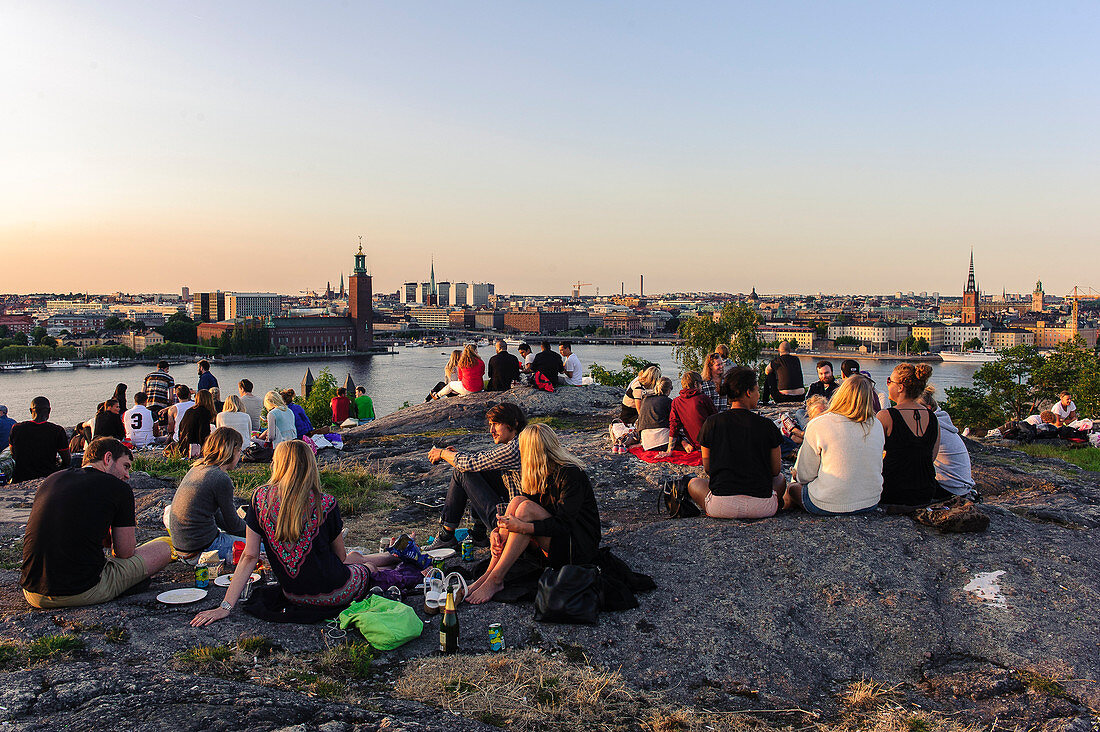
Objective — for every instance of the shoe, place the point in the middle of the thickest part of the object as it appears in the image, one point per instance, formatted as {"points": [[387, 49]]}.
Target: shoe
{"points": [[443, 541], [458, 583], [479, 539], [434, 592]]}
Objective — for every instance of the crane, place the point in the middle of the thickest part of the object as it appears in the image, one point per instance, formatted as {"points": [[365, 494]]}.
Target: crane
{"points": [[577, 288]]}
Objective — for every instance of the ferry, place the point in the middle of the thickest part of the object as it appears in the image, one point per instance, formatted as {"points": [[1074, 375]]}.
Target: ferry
{"points": [[969, 356], [24, 366], [514, 342], [483, 343], [61, 363], [102, 363]]}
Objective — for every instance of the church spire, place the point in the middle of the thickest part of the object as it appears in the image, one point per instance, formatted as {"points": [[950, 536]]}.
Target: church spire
{"points": [[971, 286], [433, 291]]}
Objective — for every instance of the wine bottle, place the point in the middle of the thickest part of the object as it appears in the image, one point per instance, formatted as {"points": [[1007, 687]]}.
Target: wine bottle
{"points": [[448, 626]]}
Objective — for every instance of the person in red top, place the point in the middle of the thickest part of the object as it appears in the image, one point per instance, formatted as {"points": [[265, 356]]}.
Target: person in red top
{"points": [[341, 406], [471, 374], [689, 411]]}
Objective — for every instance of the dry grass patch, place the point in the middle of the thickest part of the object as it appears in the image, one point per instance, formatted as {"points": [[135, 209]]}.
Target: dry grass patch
{"points": [[525, 690], [866, 695]]}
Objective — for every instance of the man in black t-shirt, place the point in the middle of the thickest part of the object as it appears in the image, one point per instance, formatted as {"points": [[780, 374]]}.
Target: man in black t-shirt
{"points": [[76, 513], [783, 378], [503, 369], [548, 363], [37, 444], [826, 384]]}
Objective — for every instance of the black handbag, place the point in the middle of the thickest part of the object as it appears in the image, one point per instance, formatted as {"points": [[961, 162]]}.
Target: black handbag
{"points": [[570, 594], [674, 500]]}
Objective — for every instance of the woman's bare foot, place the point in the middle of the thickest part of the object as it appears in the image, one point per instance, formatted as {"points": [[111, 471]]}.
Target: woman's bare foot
{"points": [[477, 583], [484, 590]]}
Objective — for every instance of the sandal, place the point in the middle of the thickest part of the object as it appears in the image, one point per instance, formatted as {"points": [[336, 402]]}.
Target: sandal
{"points": [[434, 591], [460, 587]]}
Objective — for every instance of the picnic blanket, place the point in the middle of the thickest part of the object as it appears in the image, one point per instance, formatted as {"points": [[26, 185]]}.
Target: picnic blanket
{"points": [[695, 457]]}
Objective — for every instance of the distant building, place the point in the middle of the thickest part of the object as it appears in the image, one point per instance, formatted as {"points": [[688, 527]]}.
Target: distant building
{"points": [[489, 319], [252, 305], [408, 293], [18, 323], [462, 319], [801, 335], [971, 297], [461, 294], [313, 334], [482, 291], [957, 334], [444, 296], [1001, 338], [211, 306], [139, 340], [429, 316], [534, 320], [879, 333], [1037, 298], [623, 324], [930, 332]]}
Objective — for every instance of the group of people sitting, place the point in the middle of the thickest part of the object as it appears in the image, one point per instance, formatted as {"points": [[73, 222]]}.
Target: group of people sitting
{"points": [[852, 455], [465, 372]]}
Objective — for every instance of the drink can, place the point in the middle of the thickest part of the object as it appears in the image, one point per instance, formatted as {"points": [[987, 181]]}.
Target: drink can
{"points": [[496, 637], [438, 564], [384, 543], [467, 549], [202, 576]]}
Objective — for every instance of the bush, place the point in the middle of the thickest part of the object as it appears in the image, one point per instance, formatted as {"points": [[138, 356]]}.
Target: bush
{"points": [[318, 405], [631, 366]]}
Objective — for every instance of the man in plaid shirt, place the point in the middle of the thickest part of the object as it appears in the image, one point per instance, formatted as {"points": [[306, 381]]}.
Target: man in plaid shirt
{"points": [[159, 388], [482, 479]]}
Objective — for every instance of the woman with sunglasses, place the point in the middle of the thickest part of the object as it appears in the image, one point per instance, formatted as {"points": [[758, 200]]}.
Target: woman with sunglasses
{"points": [[912, 441]]}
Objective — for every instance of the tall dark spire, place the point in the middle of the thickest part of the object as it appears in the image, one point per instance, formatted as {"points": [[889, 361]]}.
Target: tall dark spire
{"points": [[971, 286]]}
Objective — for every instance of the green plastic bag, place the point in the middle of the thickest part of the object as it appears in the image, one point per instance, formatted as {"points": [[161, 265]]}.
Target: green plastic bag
{"points": [[385, 623]]}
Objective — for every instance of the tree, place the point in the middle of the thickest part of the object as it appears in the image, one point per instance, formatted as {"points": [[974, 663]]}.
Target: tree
{"points": [[179, 328], [1073, 368], [113, 323], [971, 407], [973, 344], [735, 326], [922, 345], [1007, 382], [909, 345], [631, 366], [846, 341], [672, 325], [318, 405], [37, 334]]}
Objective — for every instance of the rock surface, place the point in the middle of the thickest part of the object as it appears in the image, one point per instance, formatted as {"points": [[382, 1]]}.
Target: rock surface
{"points": [[777, 613]]}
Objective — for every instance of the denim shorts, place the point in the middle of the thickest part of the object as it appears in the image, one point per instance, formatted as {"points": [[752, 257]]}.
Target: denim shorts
{"points": [[812, 509]]}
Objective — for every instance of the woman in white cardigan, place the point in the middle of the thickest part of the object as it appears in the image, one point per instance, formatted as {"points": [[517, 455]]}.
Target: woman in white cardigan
{"points": [[839, 467]]}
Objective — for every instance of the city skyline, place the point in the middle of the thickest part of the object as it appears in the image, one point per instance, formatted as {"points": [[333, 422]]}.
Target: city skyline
{"points": [[850, 148]]}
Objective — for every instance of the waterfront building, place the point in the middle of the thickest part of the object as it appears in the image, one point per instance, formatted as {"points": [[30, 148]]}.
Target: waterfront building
{"points": [[534, 320], [1001, 337], [252, 305], [879, 333], [623, 324], [361, 302], [931, 332], [801, 335], [462, 319], [429, 316], [461, 294], [956, 334], [211, 306]]}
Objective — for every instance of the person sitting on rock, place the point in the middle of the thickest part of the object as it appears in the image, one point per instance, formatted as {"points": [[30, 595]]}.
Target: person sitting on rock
{"points": [[234, 417], [504, 368], [642, 385], [783, 378], [850, 366], [194, 427], [471, 374], [450, 373], [342, 407], [303, 532], [826, 383], [952, 459], [690, 409], [481, 479], [280, 420], [839, 466], [302, 424], [202, 516], [1065, 411], [653, 417], [714, 371], [38, 443], [815, 407], [571, 366], [912, 443], [548, 363], [364, 407], [76, 513], [108, 421], [557, 514], [741, 456]]}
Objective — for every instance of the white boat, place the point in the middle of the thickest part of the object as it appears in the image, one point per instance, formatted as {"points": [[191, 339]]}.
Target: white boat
{"points": [[514, 342], [483, 343], [61, 363], [18, 367], [414, 344], [102, 363], [969, 356]]}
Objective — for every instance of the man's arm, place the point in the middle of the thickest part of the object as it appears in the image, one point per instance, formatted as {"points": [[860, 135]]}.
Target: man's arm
{"points": [[123, 541]]}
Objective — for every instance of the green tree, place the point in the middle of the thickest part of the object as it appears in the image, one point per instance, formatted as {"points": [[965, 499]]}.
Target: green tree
{"points": [[909, 345], [631, 366], [1073, 368], [1008, 383], [37, 334], [736, 326], [973, 344], [318, 405], [922, 345], [971, 407], [846, 341], [179, 328], [113, 322]]}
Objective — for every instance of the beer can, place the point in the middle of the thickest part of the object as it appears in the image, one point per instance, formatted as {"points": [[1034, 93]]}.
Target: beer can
{"points": [[496, 637], [438, 563], [202, 576], [467, 549]]}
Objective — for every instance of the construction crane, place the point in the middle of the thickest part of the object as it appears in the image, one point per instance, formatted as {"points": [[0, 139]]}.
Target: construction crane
{"points": [[577, 288]]}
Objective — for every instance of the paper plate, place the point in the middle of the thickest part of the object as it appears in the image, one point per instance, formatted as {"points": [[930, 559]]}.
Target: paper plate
{"points": [[182, 596], [223, 580], [441, 553]]}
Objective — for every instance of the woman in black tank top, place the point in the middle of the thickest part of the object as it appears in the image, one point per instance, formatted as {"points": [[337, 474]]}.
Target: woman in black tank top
{"points": [[912, 440]]}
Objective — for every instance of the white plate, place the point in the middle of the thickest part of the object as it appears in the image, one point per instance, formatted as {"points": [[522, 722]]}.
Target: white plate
{"points": [[223, 580], [182, 596], [441, 553]]}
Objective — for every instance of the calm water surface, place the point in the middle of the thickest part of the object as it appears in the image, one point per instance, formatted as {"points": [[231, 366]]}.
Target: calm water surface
{"points": [[390, 380]]}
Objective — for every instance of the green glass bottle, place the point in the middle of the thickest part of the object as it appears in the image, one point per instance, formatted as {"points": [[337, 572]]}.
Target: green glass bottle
{"points": [[448, 626]]}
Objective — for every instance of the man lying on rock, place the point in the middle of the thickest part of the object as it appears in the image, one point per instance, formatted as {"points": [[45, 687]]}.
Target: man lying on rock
{"points": [[482, 479], [76, 513]]}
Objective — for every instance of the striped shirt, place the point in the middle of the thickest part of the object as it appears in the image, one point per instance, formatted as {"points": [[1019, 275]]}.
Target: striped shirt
{"points": [[158, 388], [721, 403], [504, 458]]}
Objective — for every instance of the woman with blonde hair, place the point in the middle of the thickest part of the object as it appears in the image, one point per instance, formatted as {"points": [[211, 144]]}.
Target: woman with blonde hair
{"points": [[912, 442], [450, 373], [839, 465], [303, 532], [202, 515], [195, 424], [234, 417], [714, 371], [643, 385], [556, 516], [280, 420], [471, 374]]}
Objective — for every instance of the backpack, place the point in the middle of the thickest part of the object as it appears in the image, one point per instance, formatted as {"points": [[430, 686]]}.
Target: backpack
{"points": [[540, 381], [674, 500]]}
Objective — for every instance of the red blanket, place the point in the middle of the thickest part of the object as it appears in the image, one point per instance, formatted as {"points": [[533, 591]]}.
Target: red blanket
{"points": [[695, 457]]}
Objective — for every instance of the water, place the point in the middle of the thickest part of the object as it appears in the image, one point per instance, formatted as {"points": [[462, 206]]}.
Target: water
{"points": [[390, 380]]}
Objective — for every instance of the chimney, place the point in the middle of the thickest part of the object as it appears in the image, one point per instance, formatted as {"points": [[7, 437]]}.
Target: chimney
{"points": [[641, 285]]}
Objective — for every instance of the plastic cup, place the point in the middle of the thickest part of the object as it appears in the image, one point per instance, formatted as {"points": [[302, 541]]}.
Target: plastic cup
{"points": [[502, 509], [238, 550]]}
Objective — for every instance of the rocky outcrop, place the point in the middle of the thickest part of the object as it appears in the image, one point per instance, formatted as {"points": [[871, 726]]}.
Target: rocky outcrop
{"points": [[778, 613]]}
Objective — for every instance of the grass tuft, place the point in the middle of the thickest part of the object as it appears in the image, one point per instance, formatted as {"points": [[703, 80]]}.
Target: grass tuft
{"points": [[350, 660], [51, 646], [205, 658], [866, 694], [117, 635], [1042, 684], [9, 654], [255, 645]]}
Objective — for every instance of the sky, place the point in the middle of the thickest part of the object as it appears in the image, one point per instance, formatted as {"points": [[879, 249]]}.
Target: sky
{"points": [[711, 146]]}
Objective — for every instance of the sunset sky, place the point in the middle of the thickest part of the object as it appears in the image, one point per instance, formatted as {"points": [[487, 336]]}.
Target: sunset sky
{"points": [[836, 147]]}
